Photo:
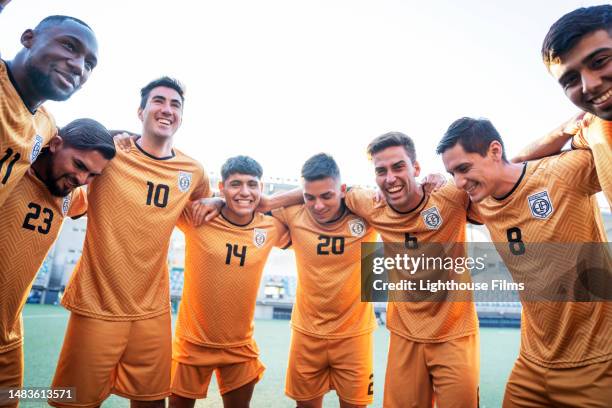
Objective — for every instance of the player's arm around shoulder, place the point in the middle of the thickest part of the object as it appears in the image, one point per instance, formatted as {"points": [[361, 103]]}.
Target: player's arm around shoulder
{"points": [[553, 142], [77, 207], [362, 201], [577, 169]]}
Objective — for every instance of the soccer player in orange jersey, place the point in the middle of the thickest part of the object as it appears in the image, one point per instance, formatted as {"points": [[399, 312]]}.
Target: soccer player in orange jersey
{"points": [[578, 53], [433, 351], [118, 338], [57, 57], [331, 340], [31, 220], [223, 266], [566, 353]]}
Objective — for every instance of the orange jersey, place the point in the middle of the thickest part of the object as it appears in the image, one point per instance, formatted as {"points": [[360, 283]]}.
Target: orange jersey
{"points": [[134, 206], [439, 218], [223, 267], [597, 136], [22, 134], [552, 203], [328, 256], [31, 220]]}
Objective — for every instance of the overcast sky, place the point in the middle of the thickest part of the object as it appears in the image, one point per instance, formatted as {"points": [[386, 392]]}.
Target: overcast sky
{"points": [[281, 80]]}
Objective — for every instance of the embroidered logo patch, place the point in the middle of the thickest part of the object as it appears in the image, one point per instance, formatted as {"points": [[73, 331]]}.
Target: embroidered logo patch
{"points": [[36, 148], [357, 227], [432, 218], [540, 205], [259, 237], [184, 181]]}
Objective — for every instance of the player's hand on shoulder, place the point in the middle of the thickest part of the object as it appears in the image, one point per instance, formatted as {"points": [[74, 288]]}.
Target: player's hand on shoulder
{"points": [[206, 209], [124, 139], [433, 182], [575, 123]]}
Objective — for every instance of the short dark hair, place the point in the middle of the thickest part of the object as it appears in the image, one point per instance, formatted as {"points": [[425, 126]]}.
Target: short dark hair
{"points": [[58, 19], [567, 31], [474, 135], [319, 167], [391, 139], [88, 134], [164, 81], [241, 165]]}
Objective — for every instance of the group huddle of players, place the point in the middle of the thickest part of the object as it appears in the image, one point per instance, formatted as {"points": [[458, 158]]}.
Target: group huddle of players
{"points": [[118, 338]]}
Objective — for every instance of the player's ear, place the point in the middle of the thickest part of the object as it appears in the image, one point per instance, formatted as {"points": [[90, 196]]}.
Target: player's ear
{"points": [[496, 150], [140, 116], [220, 185], [55, 143], [27, 38], [261, 186], [343, 190], [417, 168]]}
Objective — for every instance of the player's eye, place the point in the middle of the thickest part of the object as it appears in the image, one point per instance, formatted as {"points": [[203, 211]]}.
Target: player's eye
{"points": [[69, 46], [569, 80], [600, 61]]}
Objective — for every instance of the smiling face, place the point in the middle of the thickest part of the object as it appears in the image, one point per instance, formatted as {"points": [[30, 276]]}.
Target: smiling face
{"points": [[585, 73], [242, 193], [69, 168], [472, 172], [395, 176], [60, 59], [163, 112], [323, 198]]}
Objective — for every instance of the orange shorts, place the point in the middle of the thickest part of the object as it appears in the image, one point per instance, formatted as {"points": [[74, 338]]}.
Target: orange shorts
{"points": [[419, 373], [318, 365], [531, 385], [11, 374], [128, 358], [193, 365]]}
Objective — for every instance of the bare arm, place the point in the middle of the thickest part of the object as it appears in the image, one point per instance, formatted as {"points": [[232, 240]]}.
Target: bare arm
{"points": [[552, 143], [286, 199]]}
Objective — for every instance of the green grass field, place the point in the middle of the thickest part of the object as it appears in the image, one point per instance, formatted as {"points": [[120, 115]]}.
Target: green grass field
{"points": [[45, 326]]}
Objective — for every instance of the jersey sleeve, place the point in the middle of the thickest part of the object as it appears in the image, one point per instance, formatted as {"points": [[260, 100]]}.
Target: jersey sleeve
{"points": [[360, 201], [78, 203], [577, 169], [202, 188], [281, 215], [282, 232], [473, 214]]}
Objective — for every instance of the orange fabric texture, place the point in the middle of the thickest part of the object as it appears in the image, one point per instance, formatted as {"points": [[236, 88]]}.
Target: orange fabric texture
{"points": [[193, 365], [128, 358], [135, 204], [420, 373], [31, 220], [328, 298], [317, 365], [224, 263], [22, 134], [533, 386], [445, 211], [596, 134], [553, 334]]}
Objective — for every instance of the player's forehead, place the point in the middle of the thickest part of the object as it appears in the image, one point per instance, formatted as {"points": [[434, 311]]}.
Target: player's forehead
{"points": [[241, 178], [456, 156], [390, 156], [165, 93], [323, 186], [588, 46], [71, 29]]}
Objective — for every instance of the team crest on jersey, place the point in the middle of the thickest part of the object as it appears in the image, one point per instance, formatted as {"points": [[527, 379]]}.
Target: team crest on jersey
{"points": [[357, 227], [184, 181], [38, 144], [66, 204], [432, 218], [259, 237], [540, 205]]}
